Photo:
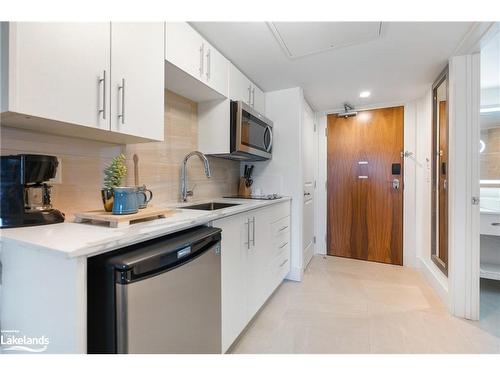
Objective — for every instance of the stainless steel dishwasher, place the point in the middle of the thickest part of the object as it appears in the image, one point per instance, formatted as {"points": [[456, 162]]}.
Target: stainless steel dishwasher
{"points": [[162, 296]]}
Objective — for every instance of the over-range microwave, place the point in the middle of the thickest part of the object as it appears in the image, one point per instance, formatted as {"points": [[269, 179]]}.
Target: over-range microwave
{"points": [[251, 134]]}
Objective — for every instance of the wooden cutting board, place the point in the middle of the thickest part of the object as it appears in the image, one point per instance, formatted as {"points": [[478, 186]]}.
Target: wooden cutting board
{"points": [[118, 221]]}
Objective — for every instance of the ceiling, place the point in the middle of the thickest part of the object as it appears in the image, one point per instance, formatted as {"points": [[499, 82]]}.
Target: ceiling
{"points": [[396, 66]]}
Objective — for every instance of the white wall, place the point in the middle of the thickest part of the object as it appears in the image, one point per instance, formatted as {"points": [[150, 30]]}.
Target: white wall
{"points": [[4, 66], [409, 202], [321, 193], [423, 195], [283, 173]]}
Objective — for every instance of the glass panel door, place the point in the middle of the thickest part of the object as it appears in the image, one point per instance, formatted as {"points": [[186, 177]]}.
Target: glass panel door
{"points": [[439, 245]]}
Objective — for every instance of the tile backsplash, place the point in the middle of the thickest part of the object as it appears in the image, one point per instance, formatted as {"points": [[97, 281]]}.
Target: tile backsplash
{"points": [[82, 161], [490, 157]]}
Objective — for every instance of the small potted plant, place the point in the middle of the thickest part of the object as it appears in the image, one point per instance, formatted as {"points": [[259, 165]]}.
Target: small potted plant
{"points": [[113, 176]]}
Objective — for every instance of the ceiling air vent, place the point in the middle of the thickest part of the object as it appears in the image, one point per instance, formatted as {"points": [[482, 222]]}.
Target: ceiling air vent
{"points": [[300, 39]]}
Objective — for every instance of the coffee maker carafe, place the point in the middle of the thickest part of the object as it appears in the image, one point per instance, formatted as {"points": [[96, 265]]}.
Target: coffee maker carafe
{"points": [[25, 197]]}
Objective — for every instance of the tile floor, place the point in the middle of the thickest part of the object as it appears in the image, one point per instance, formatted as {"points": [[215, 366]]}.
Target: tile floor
{"points": [[350, 306]]}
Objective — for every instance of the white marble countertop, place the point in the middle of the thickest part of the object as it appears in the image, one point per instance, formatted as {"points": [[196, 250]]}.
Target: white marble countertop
{"points": [[82, 239]]}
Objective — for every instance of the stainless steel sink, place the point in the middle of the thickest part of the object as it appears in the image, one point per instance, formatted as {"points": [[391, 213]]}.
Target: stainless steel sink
{"points": [[210, 206]]}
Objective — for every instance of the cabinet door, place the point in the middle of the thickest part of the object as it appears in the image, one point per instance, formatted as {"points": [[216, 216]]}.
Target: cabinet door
{"points": [[258, 99], [259, 256], [216, 70], [137, 84], [185, 48], [234, 271], [59, 71], [240, 87]]}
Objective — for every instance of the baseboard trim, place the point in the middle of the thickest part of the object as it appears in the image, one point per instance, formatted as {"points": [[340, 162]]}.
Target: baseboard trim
{"points": [[436, 279], [295, 274]]}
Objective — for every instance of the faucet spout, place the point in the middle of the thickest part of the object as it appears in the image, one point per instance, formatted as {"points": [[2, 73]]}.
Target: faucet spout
{"points": [[184, 189]]}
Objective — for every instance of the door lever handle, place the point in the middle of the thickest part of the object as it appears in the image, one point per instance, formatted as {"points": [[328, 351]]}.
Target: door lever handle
{"points": [[396, 184]]}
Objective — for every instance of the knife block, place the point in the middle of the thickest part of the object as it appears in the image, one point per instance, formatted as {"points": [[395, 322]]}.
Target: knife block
{"points": [[243, 190]]}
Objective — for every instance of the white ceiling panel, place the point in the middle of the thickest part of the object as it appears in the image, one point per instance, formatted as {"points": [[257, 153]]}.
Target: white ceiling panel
{"points": [[395, 67], [300, 39]]}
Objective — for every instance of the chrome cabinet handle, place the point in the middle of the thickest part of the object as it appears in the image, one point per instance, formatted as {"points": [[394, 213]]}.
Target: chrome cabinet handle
{"points": [[249, 95], [102, 82], [283, 263], [208, 64], [202, 49], [282, 229], [253, 231], [282, 246], [253, 96], [121, 89], [248, 234], [306, 194], [496, 224]]}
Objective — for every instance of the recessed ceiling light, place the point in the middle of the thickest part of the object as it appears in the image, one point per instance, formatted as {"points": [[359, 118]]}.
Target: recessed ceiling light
{"points": [[364, 94]]}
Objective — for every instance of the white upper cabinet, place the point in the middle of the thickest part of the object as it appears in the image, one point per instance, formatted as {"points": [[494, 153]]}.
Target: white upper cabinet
{"points": [[137, 83], [185, 48], [67, 78], [191, 53], [216, 68], [258, 99], [242, 89], [60, 71]]}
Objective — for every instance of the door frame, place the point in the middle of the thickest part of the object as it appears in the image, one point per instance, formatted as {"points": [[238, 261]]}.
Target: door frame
{"points": [[409, 178], [464, 288], [464, 231], [308, 111]]}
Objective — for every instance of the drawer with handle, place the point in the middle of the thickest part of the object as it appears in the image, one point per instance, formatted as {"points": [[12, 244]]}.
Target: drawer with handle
{"points": [[281, 248], [281, 226], [490, 224], [279, 211], [281, 266]]}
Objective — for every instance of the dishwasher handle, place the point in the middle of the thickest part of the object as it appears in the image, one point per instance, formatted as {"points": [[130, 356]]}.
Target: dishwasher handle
{"points": [[163, 256]]}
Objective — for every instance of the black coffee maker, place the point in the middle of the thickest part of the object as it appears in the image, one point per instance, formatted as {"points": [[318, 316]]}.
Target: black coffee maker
{"points": [[24, 193]]}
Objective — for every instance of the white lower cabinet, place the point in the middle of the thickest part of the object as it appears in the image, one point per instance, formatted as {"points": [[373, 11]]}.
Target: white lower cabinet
{"points": [[234, 259], [255, 260]]}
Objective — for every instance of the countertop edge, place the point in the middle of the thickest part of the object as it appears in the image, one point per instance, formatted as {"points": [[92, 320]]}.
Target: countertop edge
{"points": [[161, 230]]}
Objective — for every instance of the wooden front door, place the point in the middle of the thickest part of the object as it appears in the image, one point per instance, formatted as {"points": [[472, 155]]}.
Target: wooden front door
{"points": [[365, 185]]}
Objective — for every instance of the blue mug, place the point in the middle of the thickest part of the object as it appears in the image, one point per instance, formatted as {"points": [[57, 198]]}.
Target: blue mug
{"points": [[142, 198], [125, 200]]}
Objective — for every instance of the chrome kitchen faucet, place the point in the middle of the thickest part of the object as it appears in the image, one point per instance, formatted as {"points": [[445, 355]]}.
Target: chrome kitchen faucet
{"points": [[184, 189]]}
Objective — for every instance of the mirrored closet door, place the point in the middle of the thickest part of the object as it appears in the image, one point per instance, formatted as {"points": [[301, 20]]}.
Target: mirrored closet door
{"points": [[439, 244]]}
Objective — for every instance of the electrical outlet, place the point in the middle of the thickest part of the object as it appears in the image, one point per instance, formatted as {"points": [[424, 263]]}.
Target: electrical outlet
{"points": [[58, 178]]}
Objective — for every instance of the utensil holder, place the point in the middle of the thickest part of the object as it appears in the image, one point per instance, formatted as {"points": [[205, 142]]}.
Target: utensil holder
{"points": [[243, 190]]}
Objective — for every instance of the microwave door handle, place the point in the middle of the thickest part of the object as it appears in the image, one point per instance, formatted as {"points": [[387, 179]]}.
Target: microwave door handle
{"points": [[270, 145]]}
